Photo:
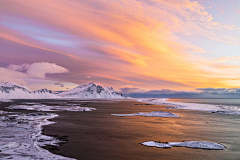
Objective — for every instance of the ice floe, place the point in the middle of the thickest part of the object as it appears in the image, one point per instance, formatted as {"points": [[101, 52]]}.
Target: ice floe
{"points": [[149, 114], [30, 103], [50, 108], [188, 144], [23, 141], [193, 106]]}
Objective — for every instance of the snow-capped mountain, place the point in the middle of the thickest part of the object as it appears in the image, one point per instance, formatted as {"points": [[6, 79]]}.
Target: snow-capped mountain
{"points": [[91, 90], [10, 90]]}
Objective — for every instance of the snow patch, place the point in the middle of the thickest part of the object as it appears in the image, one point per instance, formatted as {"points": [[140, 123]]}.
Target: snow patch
{"points": [[51, 108], [188, 144], [5, 100], [23, 141], [4, 112], [150, 114], [192, 106]]}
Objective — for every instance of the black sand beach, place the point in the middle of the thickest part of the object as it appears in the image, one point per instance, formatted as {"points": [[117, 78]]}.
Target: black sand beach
{"points": [[98, 135]]}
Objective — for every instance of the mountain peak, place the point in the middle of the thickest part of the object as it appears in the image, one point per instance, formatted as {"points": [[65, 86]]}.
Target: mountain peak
{"points": [[12, 84], [91, 90], [91, 84], [9, 84], [11, 90]]}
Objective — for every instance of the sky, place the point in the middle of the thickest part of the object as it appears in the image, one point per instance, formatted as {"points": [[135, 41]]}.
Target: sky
{"points": [[145, 48]]}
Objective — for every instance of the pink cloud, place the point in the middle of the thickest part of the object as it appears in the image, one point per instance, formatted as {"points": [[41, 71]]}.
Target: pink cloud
{"points": [[13, 76], [128, 38], [38, 69]]}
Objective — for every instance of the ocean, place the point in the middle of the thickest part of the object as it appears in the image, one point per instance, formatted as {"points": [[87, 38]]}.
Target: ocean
{"points": [[99, 135], [225, 102]]}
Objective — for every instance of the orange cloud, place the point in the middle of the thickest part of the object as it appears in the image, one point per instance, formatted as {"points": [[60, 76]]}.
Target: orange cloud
{"points": [[130, 38], [24, 41]]}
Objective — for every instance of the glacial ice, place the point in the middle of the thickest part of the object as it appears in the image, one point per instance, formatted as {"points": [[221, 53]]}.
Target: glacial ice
{"points": [[149, 114], [41, 107], [192, 106], [188, 144]]}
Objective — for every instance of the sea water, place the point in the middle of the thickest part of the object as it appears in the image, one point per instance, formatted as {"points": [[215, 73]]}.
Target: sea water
{"points": [[226, 102], [99, 135]]}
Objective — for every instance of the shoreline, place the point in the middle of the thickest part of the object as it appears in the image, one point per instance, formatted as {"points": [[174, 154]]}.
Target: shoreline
{"points": [[62, 140], [222, 109], [40, 135], [25, 141]]}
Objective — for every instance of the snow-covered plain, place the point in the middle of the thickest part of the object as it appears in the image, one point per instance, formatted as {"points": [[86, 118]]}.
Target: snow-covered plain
{"points": [[41, 107], [149, 114], [192, 106], [23, 141], [188, 144]]}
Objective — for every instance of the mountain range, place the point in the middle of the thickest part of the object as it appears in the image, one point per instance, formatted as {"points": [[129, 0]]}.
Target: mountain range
{"points": [[10, 90]]}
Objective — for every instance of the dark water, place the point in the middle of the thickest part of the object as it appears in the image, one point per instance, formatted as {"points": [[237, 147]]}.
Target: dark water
{"points": [[97, 135], [226, 102]]}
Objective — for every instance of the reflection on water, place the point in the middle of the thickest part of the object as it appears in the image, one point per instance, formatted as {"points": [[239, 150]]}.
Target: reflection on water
{"points": [[226, 102], [98, 135]]}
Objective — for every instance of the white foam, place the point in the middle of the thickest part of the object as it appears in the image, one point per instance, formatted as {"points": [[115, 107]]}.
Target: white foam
{"points": [[51, 108], [149, 114], [193, 106], [189, 144]]}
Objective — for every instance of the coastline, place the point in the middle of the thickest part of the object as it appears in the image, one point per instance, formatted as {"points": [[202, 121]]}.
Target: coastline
{"points": [[222, 109], [101, 135], [92, 125], [23, 136], [24, 141]]}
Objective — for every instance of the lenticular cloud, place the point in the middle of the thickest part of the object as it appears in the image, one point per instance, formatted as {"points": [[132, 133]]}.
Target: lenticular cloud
{"points": [[38, 69]]}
